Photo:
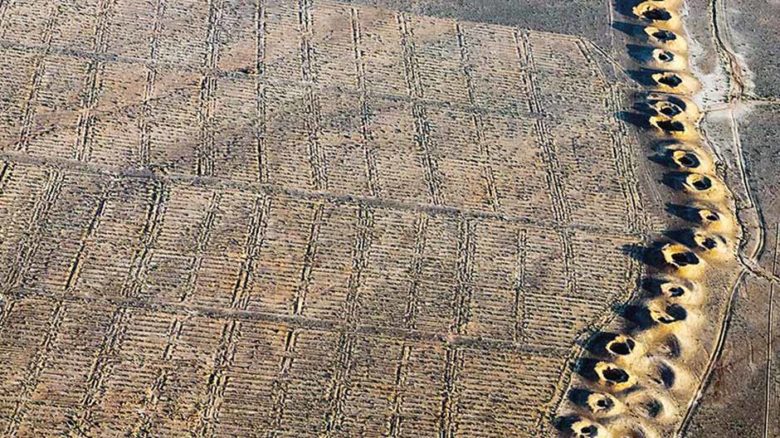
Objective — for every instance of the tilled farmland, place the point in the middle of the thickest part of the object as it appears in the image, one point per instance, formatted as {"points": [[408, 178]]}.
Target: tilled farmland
{"points": [[283, 218]]}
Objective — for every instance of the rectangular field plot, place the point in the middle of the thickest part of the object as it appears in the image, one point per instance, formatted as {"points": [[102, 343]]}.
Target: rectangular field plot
{"points": [[490, 390], [327, 97], [179, 244], [174, 306], [303, 218]]}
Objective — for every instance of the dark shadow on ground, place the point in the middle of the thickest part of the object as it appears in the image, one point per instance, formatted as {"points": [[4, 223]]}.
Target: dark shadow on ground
{"points": [[625, 7], [639, 120]]}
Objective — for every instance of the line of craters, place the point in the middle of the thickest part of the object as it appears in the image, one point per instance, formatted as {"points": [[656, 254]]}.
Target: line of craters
{"points": [[629, 381]]}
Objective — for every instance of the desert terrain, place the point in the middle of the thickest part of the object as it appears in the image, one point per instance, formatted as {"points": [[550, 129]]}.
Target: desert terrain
{"points": [[368, 218]]}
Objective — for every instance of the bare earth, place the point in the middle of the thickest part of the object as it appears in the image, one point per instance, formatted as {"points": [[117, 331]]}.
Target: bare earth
{"points": [[241, 219], [369, 218]]}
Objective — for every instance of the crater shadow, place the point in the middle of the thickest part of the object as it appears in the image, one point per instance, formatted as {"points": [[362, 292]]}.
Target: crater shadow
{"points": [[665, 376], [637, 30], [626, 7], [652, 286], [601, 344], [675, 107], [643, 318], [661, 159], [676, 180], [635, 251], [595, 402], [630, 29], [685, 212], [671, 126], [684, 236], [643, 76], [597, 344], [640, 53], [640, 120], [648, 255], [564, 424], [586, 367], [639, 316], [579, 396], [644, 107], [664, 35], [673, 346]]}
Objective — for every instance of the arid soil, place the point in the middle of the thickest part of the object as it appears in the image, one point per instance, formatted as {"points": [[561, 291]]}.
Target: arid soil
{"points": [[743, 396], [367, 218], [301, 219], [588, 19]]}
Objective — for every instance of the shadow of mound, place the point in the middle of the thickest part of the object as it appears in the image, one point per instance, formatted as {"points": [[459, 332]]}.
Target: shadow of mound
{"points": [[626, 7], [678, 181], [640, 120], [630, 29], [610, 344], [564, 424], [640, 53], [685, 212], [638, 316], [649, 255], [643, 318], [644, 77], [684, 236], [586, 367]]}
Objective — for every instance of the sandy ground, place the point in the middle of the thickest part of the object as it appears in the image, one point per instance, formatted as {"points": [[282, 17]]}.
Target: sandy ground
{"points": [[740, 399], [589, 19], [742, 396], [302, 219]]}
